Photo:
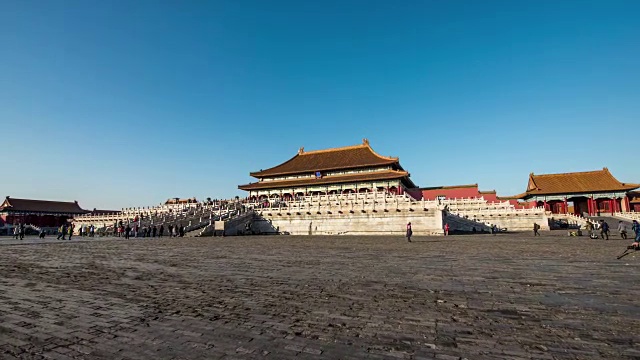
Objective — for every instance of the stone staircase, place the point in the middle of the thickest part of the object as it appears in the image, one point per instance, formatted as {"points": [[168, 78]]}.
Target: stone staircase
{"points": [[574, 221], [612, 221], [461, 224], [502, 214]]}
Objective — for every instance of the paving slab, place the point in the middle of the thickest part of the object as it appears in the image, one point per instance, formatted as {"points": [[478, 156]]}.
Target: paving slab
{"points": [[510, 296]]}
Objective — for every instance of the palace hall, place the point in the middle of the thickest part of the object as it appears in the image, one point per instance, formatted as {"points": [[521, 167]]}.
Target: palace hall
{"points": [[343, 170], [581, 193]]}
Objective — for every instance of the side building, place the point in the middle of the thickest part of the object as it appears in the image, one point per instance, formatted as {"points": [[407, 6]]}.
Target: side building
{"points": [[38, 213], [585, 193]]}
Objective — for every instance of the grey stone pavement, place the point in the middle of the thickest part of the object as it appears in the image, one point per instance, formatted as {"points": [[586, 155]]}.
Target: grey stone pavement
{"points": [[284, 297]]}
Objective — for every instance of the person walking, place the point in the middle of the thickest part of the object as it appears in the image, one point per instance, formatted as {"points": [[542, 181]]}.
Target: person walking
{"points": [[22, 229], [622, 229], [170, 230], [154, 231], [446, 229], [181, 231], [604, 229], [161, 230], [589, 228], [127, 230], [409, 232], [71, 230], [60, 233], [536, 227]]}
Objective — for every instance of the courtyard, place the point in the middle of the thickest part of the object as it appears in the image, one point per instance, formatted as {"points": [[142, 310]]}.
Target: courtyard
{"points": [[510, 296]]}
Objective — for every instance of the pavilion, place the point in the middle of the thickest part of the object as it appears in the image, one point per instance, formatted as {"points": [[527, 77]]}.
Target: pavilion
{"points": [[589, 192], [350, 169]]}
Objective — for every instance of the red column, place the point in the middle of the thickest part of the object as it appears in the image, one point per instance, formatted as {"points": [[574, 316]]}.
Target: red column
{"points": [[627, 203], [544, 205], [589, 206], [613, 206], [565, 206]]}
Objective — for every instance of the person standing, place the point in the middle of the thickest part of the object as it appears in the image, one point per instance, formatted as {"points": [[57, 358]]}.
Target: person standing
{"points": [[181, 231], [446, 229], [604, 229], [161, 230], [622, 229], [154, 231], [636, 229], [409, 232], [127, 230], [536, 227], [16, 231], [170, 230], [71, 230], [22, 229]]}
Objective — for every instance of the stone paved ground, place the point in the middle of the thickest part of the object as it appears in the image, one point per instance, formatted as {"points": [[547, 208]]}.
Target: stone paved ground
{"points": [[475, 297]]}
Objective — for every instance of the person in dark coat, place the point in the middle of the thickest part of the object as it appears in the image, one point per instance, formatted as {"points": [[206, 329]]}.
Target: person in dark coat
{"points": [[409, 232], [154, 231], [161, 230], [604, 229]]}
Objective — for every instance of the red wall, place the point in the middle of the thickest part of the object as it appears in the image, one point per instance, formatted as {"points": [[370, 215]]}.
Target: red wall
{"points": [[458, 192], [451, 192]]}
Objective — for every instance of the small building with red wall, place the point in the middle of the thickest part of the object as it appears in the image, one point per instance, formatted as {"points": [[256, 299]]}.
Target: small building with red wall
{"points": [[588, 192]]}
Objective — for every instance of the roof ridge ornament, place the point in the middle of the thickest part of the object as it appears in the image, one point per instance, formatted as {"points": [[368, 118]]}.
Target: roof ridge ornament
{"points": [[300, 151], [365, 141]]}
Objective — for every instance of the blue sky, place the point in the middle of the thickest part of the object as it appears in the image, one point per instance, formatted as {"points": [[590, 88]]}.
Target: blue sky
{"points": [[127, 103]]}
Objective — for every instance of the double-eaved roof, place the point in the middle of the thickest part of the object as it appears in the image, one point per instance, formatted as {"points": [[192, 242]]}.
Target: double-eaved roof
{"points": [[348, 157], [575, 182], [307, 163], [333, 179], [40, 206]]}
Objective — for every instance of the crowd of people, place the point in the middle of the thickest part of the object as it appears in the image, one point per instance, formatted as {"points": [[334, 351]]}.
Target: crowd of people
{"points": [[128, 230], [18, 231]]}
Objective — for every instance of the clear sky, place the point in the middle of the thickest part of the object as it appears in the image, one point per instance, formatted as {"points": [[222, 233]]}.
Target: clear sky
{"points": [[127, 103]]}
